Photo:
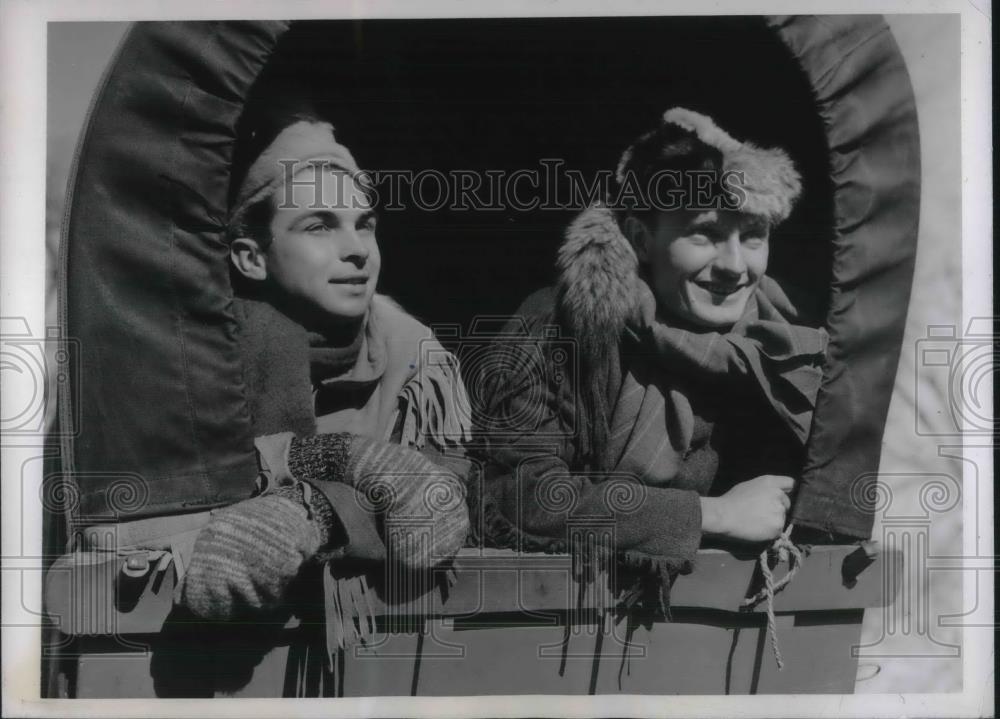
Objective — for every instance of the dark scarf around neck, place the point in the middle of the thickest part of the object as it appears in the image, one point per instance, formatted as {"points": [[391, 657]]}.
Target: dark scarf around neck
{"points": [[600, 295], [333, 354]]}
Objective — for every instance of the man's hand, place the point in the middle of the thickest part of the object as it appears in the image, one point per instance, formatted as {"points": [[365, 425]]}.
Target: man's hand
{"points": [[752, 511]]}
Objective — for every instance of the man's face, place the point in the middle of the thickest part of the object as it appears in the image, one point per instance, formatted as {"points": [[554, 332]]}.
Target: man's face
{"points": [[323, 256], [705, 266]]}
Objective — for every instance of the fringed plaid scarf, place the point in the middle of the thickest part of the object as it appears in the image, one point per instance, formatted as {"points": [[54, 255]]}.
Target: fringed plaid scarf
{"points": [[652, 423], [783, 360], [392, 380]]}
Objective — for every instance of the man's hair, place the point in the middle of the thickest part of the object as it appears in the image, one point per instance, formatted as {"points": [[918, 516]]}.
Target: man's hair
{"points": [[254, 222], [258, 128]]}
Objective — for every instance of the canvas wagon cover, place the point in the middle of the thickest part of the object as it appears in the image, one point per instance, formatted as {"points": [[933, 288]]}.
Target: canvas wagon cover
{"points": [[163, 420]]}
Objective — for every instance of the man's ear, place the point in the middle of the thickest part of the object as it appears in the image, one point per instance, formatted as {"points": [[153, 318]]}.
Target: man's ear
{"points": [[638, 235], [248, 258]]}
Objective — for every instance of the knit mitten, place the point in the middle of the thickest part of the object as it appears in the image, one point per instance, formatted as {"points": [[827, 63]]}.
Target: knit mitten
{"points": [[423, 505], [247, 555]]}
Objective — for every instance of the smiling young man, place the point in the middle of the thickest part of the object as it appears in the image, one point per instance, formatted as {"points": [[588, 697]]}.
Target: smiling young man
{"points": [[704, 265], [693, 391], [317, 254], [303, 247], [347, 394]]}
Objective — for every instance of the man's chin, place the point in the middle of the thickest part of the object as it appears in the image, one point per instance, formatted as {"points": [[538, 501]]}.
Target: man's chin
{"points": [[349, 310], [711, 312]]}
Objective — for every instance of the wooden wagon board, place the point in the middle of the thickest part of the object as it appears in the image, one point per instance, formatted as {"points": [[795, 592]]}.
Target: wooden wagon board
{"points": [[511, 624]]}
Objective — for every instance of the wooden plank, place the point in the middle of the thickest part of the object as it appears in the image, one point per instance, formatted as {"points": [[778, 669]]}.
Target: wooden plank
{"points": [[501, 580], [816, 649], [390, 667], [508, 657], [85, 599], [698, 652]]}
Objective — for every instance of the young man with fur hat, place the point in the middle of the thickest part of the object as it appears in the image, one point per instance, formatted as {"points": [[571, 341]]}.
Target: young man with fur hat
{"points": [[694, 388], [346, 390]]}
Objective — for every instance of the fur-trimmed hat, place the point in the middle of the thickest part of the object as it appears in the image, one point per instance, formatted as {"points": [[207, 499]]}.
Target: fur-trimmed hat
{"points": [[769, 180]]}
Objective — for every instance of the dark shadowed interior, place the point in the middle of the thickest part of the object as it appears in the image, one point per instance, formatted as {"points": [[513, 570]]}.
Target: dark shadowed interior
{"points": [[504, 94]]}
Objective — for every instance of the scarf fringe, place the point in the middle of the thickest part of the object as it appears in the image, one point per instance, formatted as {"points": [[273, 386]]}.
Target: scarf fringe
{"points": [[436, 406], [349, 614], [350, 618], [607, 580]]}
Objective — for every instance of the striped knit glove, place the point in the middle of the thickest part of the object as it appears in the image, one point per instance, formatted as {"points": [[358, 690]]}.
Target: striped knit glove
{"points": [[426, 519], [247, 555]]}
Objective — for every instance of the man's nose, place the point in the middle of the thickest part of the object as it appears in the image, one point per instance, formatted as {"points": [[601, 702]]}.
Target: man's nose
{"points": [[354, 249], [729, 260]]}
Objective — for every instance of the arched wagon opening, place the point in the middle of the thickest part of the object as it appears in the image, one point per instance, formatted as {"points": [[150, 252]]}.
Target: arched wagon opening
{"points": [[145, 278]]}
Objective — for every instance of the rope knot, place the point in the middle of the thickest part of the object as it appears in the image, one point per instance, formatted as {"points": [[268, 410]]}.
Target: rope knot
{"points": [[784, 550]]}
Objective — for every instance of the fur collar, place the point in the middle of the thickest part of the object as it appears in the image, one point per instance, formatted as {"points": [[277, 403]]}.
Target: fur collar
{"points": [[598, 280], [596, 294]]}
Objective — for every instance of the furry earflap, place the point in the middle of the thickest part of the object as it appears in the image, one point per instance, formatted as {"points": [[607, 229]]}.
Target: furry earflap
{"points": [[597, 274], [596, 294]]}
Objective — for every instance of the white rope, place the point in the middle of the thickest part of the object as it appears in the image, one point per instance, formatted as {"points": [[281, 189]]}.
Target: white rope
{"points": [[785, 550]]}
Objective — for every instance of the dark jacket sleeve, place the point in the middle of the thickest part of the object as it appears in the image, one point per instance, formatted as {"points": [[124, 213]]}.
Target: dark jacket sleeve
{"points": [[355, 527], [538, 489]]}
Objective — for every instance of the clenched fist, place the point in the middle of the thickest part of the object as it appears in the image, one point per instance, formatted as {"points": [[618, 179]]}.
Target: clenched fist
{"points": [[752, 511]]}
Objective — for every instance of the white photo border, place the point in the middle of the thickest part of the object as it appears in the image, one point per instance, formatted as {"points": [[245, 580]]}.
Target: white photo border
{"points": [[23, 55]]}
